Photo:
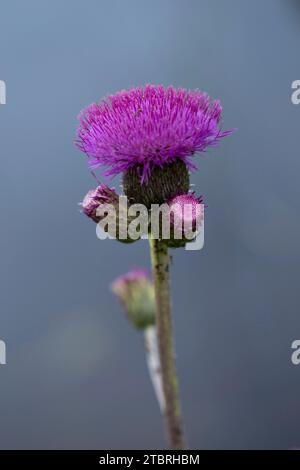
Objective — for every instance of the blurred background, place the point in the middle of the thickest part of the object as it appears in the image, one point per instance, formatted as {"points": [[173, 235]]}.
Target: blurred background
{"points": [[75, 374]]}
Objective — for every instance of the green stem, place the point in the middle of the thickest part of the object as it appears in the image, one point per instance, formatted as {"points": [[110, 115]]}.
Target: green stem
{"points": [[160, 265]]}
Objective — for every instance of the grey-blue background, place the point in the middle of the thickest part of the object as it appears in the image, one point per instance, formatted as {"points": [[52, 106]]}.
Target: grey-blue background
{"points": [[76, 376]]}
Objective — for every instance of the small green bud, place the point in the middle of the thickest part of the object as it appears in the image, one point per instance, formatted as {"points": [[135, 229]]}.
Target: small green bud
{"points": [[136, 293]]}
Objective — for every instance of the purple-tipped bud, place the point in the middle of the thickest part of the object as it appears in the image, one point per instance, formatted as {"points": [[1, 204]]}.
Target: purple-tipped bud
{"points": [[135, 291], [186, 218], [187, 208], [95, 197]]}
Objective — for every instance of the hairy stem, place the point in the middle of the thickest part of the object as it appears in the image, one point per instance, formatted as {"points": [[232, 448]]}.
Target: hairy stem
{"points": [[160, 265]]}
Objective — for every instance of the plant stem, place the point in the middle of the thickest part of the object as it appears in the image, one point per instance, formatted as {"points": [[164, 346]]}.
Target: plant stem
{"points": [[160, 265]]}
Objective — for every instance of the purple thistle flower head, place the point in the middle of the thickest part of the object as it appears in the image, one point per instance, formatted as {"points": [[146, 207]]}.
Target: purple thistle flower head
{"points": [[148, 127], [95, 197]]}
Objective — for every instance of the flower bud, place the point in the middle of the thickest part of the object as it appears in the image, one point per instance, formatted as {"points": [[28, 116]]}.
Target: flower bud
{"points": [[106, 197], [186, 218], [95, 197], [135, 291]]}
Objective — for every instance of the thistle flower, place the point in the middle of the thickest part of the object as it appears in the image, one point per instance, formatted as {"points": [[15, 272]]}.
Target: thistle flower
{"points": [[150, 128], [150, 135], [135, 291], [95, 197]]}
